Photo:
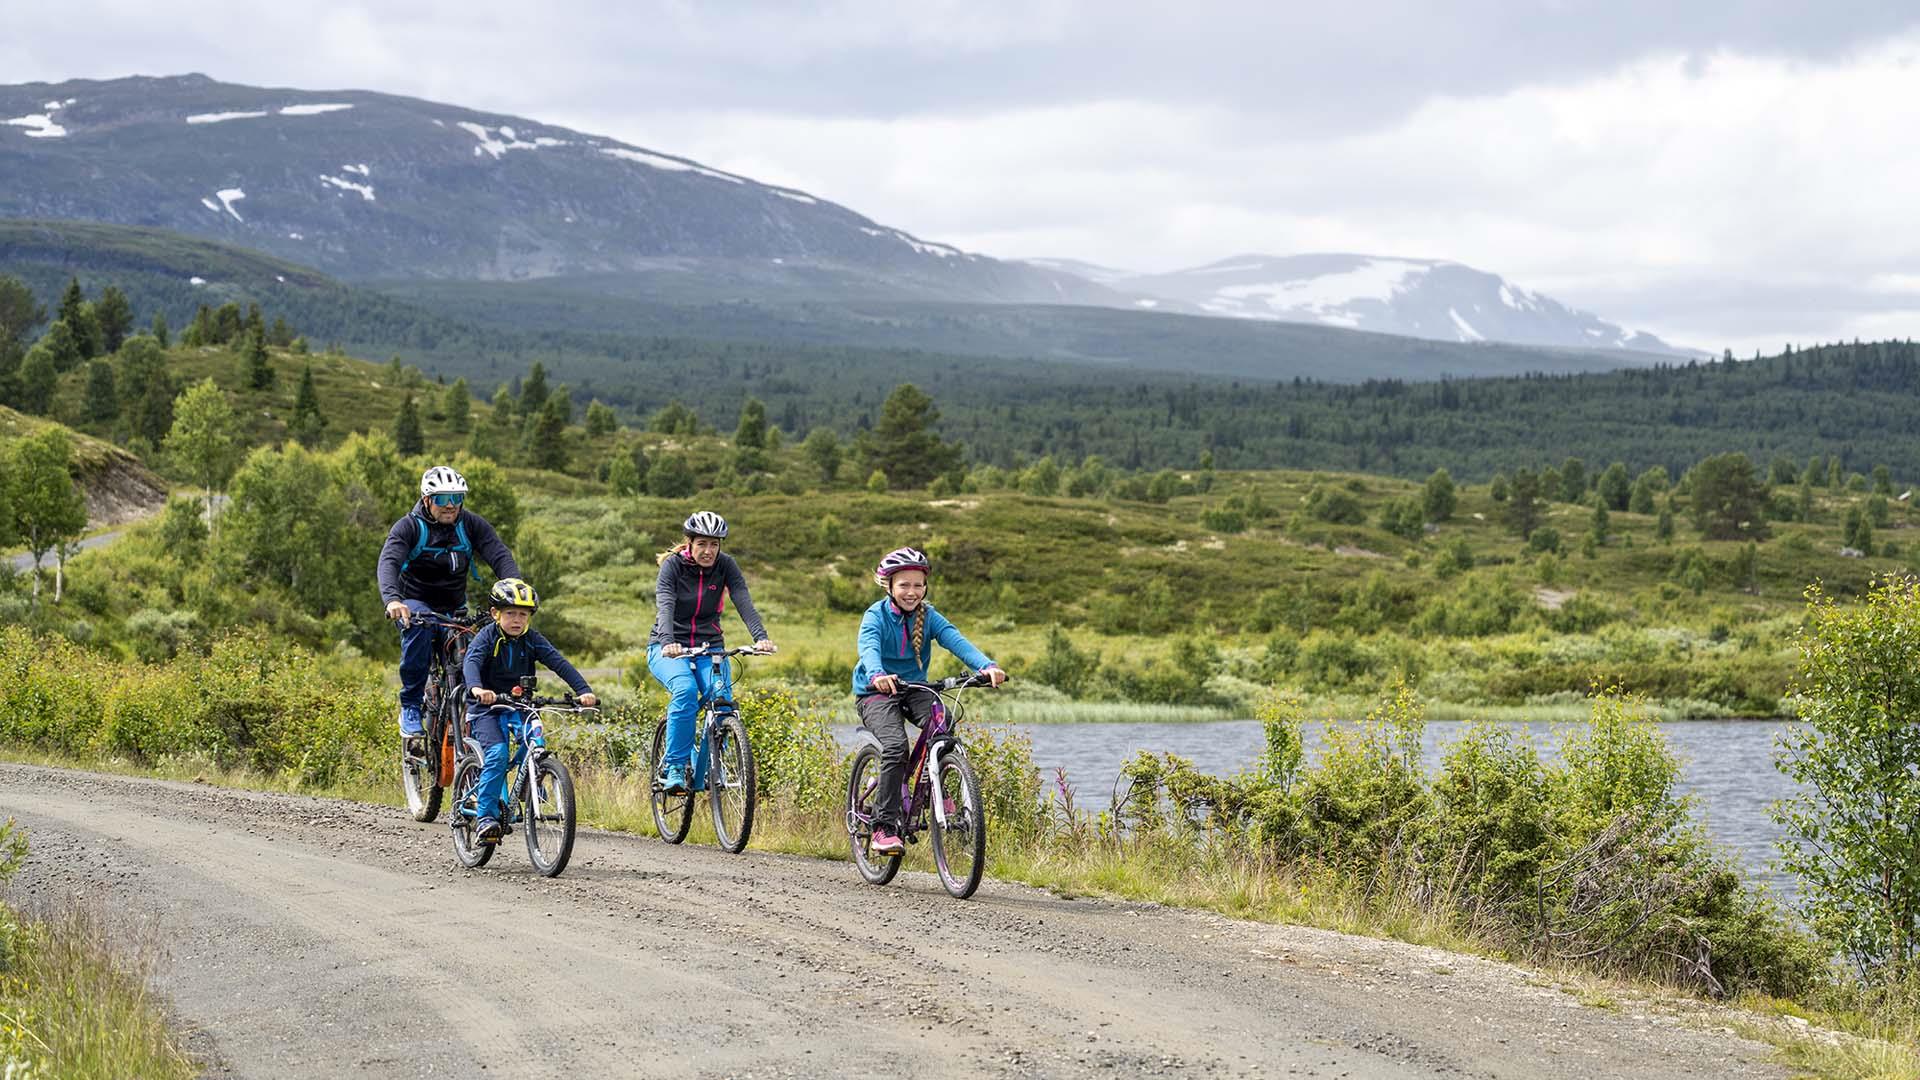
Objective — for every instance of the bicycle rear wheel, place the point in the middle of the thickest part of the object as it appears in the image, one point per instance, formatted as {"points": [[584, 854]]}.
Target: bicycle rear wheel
{"points": [[672, 814], [732, 783], [549, 832], [466, 803], [861, 786], [959, 846], [419, 776]]}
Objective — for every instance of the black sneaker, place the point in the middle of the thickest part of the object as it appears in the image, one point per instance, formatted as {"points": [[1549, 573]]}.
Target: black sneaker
{"points": [[488, 830]]}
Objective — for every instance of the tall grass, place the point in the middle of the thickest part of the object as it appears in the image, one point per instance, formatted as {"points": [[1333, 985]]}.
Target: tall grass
{"points": [[74, 997]]}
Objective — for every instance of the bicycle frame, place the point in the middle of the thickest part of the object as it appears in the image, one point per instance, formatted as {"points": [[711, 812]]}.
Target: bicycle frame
{"points": [[923, 764], [716, 692], [522, 753]]}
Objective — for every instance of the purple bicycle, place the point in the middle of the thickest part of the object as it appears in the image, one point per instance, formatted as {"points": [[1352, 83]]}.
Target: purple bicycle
{"points": [[938, 763]]}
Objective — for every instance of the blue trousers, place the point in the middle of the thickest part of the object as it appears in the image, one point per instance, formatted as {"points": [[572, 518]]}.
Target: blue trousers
{"points": [[493, 729], [686, 680], [417, 642]]}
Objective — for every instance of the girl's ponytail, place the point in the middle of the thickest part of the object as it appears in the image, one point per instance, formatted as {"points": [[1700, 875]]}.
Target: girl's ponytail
{"points": [[920, 634]]}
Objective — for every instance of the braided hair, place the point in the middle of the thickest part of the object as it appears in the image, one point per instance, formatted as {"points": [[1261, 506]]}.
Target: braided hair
{"points": [[919, 620]]}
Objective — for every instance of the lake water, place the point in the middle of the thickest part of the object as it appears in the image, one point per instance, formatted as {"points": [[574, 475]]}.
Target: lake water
{"points": [[1727, 764]]}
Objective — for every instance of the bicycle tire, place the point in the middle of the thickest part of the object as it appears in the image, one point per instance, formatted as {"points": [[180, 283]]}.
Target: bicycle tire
{"points": [[875, 869], [959, 846], [467, 848], [733, 783], [672, 814], [419, 779], [550, 836]]}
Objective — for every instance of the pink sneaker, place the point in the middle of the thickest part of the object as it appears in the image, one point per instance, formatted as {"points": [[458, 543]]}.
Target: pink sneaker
{"points": [[885, 843]]}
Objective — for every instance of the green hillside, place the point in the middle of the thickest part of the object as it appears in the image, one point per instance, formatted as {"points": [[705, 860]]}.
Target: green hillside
{"points": [[1193, 589]]}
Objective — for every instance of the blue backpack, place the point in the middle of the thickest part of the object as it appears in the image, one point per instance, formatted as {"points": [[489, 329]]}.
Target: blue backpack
{"points": [[461, 546]]}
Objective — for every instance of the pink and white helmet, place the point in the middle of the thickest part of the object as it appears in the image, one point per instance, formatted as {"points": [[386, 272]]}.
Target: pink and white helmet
{"points": [[899, 559]]}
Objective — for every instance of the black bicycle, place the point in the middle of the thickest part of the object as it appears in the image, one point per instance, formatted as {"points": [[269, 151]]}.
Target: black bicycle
{"points": [[540, 789], [425, 775], [938, 794], [722, 763]]}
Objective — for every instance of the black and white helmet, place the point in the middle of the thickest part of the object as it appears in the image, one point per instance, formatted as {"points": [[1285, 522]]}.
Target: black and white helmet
{"points": [[899, 559], [705, 523], [441, 480]]}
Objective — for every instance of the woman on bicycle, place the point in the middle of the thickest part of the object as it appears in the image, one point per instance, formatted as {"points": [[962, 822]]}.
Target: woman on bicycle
{"points": [[695, 581], [502, 654], [895, 636]]}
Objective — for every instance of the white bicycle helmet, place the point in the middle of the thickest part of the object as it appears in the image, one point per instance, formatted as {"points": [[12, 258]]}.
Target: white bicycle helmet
{"points": [[905, 558], [441, 480], [705, 523]]}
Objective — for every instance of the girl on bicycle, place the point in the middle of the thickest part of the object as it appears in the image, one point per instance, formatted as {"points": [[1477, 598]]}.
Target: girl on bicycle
{"points": [[695, 581], [502, 654], [895, 647]]}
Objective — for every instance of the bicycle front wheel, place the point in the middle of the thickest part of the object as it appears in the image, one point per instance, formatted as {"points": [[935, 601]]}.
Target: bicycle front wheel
{"points": [[550, 828], [672, 814], [732, 783], [875, 868], [959, 846], [466, 808]]}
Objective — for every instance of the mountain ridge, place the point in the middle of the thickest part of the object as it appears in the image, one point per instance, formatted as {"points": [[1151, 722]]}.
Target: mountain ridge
{"points": [[1436, 299]]}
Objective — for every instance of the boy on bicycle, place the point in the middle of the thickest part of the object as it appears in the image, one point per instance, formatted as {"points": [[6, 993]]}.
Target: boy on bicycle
{"points": [[502, 654], [895, 646]]}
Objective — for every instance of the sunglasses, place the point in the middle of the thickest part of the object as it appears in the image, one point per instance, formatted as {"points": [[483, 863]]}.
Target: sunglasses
{"points": [[448, 500]]}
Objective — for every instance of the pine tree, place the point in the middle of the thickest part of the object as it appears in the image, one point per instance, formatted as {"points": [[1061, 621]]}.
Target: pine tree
{"points": [[103, 407], [307, 423], [256, 324], [38, 377], [1438, 499], [280, 335], [63, 347], [457, 403], [600, 418], [160, 331], [259, 371], [1833, 473], [1601, 524], [546, 445], [752, 431], [1663, 527], [78, 315], [533, 392], [407, 437], [114, 316]]}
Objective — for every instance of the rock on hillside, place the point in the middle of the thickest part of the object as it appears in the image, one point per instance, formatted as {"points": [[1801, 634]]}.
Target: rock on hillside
{"points": [[367, 185], [117, 486]]}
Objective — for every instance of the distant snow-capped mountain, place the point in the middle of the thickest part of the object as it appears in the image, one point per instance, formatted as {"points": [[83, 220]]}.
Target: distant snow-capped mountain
{"points": [[1426, 298], [370, 185]]}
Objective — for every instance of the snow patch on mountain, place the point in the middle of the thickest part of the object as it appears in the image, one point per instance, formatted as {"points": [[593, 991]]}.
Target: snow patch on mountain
{"points": [[39, 125], [222, 117], [361, 169], [312, 110], [796, 196], [655, 161], [210, 204], [365, 190], [229, 196], [1467, 332]]}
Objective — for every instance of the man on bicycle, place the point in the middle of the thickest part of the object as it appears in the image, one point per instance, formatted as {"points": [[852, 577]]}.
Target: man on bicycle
{"points": [[423, 570]]}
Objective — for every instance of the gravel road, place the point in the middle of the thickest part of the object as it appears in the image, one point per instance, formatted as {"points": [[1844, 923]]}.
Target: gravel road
{"points": [[321, 938]]}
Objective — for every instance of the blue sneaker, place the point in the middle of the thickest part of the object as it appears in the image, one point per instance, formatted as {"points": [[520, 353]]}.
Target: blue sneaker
{"points": [[673, 779], [487, 830], [410, 721]]}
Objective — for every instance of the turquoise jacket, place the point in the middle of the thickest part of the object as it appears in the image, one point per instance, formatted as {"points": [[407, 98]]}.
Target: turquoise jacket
{"points": [[886, 647]]}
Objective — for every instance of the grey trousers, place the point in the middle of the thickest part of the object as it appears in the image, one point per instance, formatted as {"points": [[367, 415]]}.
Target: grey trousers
{"points": [[886, 715]]}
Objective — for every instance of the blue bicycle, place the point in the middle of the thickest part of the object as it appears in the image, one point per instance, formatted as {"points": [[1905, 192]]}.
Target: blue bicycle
{"points": [[539, 788], [722, 763]]}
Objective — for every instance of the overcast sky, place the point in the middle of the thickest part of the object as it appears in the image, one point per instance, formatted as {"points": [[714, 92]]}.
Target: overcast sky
{"points": [[1721, 173]]}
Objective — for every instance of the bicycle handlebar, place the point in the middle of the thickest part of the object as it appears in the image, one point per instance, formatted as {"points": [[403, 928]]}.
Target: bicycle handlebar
{"points": [[708, 650]]}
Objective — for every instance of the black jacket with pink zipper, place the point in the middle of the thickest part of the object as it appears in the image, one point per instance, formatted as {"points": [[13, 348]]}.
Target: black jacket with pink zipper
{"points": [[692, 597]]}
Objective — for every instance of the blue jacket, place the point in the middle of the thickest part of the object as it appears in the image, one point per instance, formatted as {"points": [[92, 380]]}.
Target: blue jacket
{"points": [[497, 662], [886, 646]]}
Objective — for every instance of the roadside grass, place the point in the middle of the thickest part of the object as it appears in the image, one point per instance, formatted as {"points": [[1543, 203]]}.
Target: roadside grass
{"points": [[74, 997]]}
